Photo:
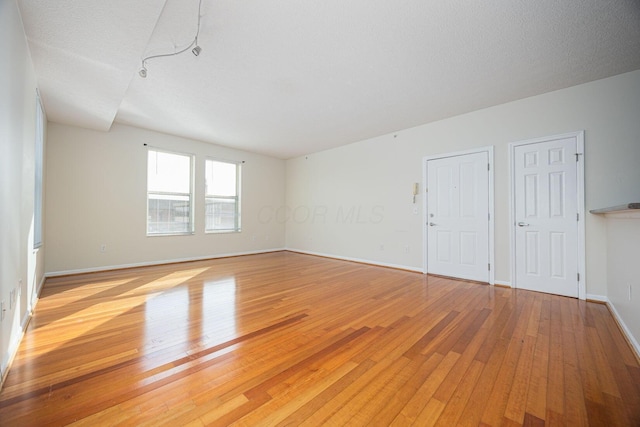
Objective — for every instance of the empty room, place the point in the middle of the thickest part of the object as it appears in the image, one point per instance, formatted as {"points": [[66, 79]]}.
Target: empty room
{"points": [[319, 213]]}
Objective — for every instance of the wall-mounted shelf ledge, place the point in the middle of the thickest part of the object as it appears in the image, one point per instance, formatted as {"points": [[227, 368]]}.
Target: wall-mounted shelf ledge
{"points": [[620, 208]]}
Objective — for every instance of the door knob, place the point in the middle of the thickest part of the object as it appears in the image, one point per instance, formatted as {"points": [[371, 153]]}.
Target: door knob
{"points": [[523, 224], [431, 224]]}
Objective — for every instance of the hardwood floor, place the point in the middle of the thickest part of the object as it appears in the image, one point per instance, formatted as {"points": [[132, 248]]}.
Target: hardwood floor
{"points": [[291, 339]]}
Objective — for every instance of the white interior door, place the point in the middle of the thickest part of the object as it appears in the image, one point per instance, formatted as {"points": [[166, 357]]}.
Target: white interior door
{"points": [[546, 216], [458, 216]]}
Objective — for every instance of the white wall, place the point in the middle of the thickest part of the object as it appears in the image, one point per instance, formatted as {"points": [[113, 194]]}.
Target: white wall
{"points": [[373, 179], [21, 268], [96, 194], [623, 250]]}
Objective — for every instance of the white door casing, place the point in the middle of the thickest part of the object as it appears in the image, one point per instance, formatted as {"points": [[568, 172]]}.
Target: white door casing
{"points": [[458, 215], [547, 214]]}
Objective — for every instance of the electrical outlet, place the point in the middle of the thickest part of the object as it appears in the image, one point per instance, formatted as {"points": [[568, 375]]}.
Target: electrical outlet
{"points": [[406, 249], [103, 248]]}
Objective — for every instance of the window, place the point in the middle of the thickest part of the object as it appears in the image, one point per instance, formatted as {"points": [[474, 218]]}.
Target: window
{"points": [[169, 196], [222, 196], [39, 163]]}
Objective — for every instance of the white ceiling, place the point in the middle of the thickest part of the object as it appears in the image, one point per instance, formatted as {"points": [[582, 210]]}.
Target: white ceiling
{"points": [[291, 77]]}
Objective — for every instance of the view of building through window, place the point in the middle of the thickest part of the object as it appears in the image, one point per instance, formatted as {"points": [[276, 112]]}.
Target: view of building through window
{"points": [[169, 197]]}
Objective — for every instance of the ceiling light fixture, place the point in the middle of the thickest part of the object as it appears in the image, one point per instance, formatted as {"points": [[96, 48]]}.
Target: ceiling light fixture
{"points": [[196, 50]]}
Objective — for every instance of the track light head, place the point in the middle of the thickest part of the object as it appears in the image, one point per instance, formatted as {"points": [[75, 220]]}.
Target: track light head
{"points": [[196, 50]]}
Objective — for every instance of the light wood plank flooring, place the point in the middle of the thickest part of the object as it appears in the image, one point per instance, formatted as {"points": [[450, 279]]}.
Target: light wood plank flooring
{"points": [[291, 339]]}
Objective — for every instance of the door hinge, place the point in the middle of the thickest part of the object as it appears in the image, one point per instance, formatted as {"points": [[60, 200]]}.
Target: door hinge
{"points": [[489, 216], [489, 267], [578, 216], [578, 277], [488, 166]]}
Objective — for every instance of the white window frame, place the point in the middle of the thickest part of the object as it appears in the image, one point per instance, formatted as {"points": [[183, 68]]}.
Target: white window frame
{"points": [[38, 188], [237, 197], [191, 227]]}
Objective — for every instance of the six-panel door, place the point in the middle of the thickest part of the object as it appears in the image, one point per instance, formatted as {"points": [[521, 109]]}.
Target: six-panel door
{"points": [[546, 224]]}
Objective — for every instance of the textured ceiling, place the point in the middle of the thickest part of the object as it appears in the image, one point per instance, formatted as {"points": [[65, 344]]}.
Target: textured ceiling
{"points": [[290, 77]]}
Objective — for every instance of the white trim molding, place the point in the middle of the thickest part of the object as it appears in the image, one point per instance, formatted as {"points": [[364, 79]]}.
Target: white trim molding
{"points": [[358, 260], [7, 358], [597, 298], [625, 329], [503, 283]]}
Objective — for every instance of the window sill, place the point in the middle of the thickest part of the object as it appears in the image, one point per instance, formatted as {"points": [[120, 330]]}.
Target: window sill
{"points": [[190, 233]]}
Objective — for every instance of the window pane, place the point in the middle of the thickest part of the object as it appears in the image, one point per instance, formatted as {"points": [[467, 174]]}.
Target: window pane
{"points": [[221, 214], [168, 214], [169, 197], [168, 172], [221, 178]]}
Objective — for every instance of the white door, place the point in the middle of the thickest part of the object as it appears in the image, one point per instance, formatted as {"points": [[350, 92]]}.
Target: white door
{"points": [[458, 216], [546, 216]]}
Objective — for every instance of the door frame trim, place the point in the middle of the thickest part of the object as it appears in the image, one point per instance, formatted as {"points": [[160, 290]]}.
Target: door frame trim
{"points": [[425, 186], [579, 136]]}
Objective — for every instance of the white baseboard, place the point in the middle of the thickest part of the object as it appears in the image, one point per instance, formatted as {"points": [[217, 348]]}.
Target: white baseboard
{"points": [[502, 283], [13, 347], [151, 263], [625, 330], [41, 284], [7, 358], [598, 298], [359, 260]]}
